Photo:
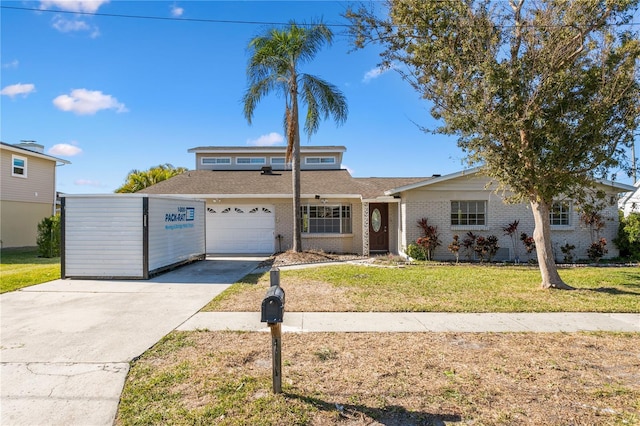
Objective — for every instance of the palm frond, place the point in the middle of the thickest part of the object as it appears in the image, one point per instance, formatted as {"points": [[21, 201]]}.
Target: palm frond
{"points": [[323, 100]]}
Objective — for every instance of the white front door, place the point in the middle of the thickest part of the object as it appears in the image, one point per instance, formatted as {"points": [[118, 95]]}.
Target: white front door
{"points": [[241, 229]]}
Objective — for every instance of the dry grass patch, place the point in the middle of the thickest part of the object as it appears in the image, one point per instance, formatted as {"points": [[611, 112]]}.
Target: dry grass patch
{"points": [[388, 379]]}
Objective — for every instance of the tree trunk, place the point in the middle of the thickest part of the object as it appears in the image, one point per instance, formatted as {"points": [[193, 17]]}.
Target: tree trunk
{"points": [[297, 217], [542, 237]]}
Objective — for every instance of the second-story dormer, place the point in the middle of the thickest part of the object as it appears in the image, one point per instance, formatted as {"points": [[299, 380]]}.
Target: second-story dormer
{"points": [[258, 157]]}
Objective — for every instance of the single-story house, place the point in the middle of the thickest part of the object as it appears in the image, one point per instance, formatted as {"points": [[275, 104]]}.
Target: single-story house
{"points": [[248, 193]]}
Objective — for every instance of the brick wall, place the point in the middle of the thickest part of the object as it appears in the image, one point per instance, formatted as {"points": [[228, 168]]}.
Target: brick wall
{"points": [[335, 243], [434, 203]]}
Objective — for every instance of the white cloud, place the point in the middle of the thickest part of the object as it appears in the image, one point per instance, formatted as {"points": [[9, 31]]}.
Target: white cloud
{"points": [[87, 102], [271, 139], [64, 149], [66, 26], [347, 168], [89, 6], [374, 73], [88, 182], [18, 89], [176, 11], [12, 64]]}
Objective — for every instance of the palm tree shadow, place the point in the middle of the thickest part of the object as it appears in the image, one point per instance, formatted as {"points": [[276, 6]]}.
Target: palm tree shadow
{"points": [[393, 415], [613, 291]]}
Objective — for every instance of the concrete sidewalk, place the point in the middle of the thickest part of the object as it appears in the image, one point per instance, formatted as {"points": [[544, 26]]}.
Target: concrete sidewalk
{"points": [[66, 344], [418, 322]]}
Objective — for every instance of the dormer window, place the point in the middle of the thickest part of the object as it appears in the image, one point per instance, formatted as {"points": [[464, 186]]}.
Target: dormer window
{"points": [[216, 160], [251, 160], [320, 160]]}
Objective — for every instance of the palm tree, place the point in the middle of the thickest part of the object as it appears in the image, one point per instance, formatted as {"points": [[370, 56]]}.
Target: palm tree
{"points": [[137, 180], [275, 58]]}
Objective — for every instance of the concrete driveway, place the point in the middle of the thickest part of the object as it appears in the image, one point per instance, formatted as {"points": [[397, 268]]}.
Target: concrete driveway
{"points": [[65, 346]]}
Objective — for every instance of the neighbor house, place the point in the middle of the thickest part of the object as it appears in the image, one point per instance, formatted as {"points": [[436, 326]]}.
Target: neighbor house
{"points": [[630, 202], [248, 193], [27, 192]]}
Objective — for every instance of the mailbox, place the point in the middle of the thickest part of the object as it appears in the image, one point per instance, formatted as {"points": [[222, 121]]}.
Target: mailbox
{"points": [[273, 305]]}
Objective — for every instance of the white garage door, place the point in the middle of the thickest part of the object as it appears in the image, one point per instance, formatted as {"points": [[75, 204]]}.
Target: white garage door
{"points": [[241, 229]]}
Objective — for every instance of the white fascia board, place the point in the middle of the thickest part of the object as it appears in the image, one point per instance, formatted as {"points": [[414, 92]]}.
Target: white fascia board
{"points": [[622, 187], [276, 196], [23, 151], [267, 150], [432, 181], [614, 185], [385, 199]]}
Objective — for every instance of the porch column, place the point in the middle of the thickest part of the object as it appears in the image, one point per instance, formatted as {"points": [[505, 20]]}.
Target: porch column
{"points": [[365, 229]]}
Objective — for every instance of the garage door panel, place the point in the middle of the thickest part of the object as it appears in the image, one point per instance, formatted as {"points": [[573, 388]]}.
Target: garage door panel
{"points": [[240, 229]]}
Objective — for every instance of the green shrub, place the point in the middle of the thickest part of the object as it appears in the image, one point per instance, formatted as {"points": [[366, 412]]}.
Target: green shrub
{"points": [[628, 239], [416, 252], [49, 237]]}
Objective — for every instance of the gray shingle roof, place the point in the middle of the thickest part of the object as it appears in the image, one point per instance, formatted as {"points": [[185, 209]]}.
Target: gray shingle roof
{"points": [[321, 182]]}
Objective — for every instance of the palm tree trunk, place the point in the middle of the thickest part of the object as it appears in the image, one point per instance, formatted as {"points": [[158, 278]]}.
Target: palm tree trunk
{"points": [[297, 222], [542, 237]]}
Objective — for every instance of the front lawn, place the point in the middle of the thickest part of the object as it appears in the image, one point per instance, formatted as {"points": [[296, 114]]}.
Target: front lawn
{"points": [[23, 267], [224, 378], [455, 288]]}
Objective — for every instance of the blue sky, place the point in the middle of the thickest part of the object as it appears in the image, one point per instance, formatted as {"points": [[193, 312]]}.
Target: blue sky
{"points": [[112, 94]]}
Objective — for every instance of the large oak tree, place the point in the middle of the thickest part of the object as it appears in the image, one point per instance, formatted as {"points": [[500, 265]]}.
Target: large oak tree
{"points": [[543, 94]]}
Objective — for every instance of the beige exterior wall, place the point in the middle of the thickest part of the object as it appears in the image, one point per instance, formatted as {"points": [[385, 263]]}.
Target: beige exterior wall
{"points": [[37, 187], [24, 201], [19, 222], [434, 203]]}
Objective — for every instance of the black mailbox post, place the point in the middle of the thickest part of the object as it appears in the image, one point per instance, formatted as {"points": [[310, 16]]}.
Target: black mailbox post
{"points": [[273, 314]]}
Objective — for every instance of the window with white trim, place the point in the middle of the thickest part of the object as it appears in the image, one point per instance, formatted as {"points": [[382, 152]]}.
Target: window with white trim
{"points": [[18, 166], [320, 160], [326, 219], [251, 160], [560, 213], [215, 160], [471, 213], [277, 160]]}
